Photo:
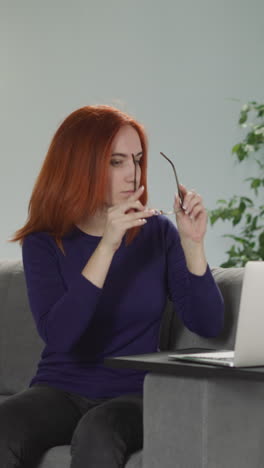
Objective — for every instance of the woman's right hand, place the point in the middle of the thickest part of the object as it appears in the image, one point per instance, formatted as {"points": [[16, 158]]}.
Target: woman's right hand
{"points": [[122, 217]]}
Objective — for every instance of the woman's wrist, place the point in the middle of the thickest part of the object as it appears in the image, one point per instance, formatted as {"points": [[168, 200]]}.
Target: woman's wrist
{"points": [[195, 256], [107, 249]]}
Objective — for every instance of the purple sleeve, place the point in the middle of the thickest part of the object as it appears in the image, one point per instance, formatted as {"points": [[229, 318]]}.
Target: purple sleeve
{"points": [[197, 299], [61, 313]]}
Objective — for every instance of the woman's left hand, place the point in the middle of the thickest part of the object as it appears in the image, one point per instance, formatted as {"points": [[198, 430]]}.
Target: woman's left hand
{"points": [[192, 219]]}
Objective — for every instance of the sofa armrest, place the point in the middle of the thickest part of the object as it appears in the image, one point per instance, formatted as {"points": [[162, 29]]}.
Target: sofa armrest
{"points": [[192, 422], [169, 421]]}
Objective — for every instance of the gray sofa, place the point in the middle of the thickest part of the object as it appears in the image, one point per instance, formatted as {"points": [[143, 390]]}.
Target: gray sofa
{"points": [[171, 404]]}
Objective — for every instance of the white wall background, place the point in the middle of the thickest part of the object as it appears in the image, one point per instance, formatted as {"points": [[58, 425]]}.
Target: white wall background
{"points": [[183, 68]]}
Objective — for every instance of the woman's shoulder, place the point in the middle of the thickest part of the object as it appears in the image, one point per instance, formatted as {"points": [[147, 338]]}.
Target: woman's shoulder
{"points": [[40, 241], [38, 236], [165, 225], [161, 231]]}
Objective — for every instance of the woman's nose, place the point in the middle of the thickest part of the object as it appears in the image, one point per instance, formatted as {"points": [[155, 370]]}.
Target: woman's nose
{"points": [[132, 168]]}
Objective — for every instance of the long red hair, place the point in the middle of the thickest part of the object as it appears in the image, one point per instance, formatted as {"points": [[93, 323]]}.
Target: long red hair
{"points": [[73, 178]]}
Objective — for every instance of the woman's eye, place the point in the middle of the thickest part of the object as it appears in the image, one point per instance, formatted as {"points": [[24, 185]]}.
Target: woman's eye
{"points": [[115, 163]]}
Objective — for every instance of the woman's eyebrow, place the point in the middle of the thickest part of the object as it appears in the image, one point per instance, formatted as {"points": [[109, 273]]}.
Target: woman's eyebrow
{"points": [[125, 155]]}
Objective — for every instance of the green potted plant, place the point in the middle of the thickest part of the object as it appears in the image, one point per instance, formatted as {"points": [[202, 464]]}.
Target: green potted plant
{"points": [[249, 243]]}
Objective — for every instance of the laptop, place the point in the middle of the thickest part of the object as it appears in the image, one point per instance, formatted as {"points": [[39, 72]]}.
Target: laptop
{"points": [[249, 342]]}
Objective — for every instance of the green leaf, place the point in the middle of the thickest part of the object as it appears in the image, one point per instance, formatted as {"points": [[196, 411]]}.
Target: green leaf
{"points": [[255, 183], [254, 223], [236, 217], [248, 218], [236, 148], [261, 245], [242, 206], [213, 219], [247, 200], [237, 239], [243, 117], [261, 239], [252, 138], [241, 153], [261, 165]]}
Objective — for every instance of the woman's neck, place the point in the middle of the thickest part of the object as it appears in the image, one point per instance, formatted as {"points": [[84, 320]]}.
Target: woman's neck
{"points": [[93, 225]]}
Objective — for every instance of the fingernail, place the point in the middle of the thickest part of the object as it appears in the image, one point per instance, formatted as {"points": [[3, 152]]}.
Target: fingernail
{"points": [[142, 187]]}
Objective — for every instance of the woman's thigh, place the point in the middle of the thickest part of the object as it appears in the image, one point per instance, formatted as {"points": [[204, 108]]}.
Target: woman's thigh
{"points": [[32, 421], [108, 433]]}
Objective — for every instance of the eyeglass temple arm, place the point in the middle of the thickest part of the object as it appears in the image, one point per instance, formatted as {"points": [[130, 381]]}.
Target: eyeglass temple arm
{"points": [[176, 178], [135, 183]]}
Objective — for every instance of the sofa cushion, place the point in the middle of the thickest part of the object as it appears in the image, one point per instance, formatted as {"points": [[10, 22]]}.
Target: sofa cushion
{"points": [[56, 457], [3, 398], [20, 344], [60, 456]]}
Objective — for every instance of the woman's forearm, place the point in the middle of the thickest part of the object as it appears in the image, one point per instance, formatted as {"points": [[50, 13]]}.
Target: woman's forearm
{"points": [[97, 267], [195, 257]]}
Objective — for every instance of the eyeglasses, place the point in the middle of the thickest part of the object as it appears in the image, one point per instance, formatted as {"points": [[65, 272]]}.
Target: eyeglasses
{"points": [[177, 184], [178, 188]]}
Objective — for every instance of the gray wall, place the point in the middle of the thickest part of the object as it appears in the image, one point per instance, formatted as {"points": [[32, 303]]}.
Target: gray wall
{"points": [[183, 68]]}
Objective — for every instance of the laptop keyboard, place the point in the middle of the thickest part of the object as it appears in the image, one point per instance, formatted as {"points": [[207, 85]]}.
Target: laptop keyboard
{"points": [[215, 356], [227, 359]]}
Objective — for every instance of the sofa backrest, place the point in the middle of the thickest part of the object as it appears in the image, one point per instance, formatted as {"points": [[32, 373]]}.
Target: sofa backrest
{"points": [[229, 281], [21, 346]]}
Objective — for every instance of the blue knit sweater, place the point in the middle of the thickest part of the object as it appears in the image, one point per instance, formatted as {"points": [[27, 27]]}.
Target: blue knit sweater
{"points": [[81, 324]]}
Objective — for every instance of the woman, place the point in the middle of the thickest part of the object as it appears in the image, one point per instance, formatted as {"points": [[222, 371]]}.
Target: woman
{"points": [[99, 266]]}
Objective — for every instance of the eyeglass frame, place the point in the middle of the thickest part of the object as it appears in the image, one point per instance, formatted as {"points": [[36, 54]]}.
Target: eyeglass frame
{"points": [[177, 184]]}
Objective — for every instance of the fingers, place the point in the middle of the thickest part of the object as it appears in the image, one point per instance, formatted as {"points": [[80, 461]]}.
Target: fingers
{"points": [[193, 204], [177, 205], [183, 189], [137, 193], [146, 213], [133, 202], [197, 211], [133, 206], [191, 198]]}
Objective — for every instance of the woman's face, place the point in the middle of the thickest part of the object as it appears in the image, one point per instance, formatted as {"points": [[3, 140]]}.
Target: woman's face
{"points": [[121, 173]]}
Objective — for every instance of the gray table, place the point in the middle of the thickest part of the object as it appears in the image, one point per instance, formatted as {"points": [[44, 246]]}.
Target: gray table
{"points": [[160, 363], [199, 415]]}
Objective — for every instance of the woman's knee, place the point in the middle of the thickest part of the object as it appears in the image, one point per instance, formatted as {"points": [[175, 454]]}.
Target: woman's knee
{"points": [[33, 421], [14, 435], [12, 422], [119, 419], [95, 443]]}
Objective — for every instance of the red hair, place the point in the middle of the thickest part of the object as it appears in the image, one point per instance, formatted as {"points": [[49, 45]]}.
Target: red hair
{"points": [[73, 178]]}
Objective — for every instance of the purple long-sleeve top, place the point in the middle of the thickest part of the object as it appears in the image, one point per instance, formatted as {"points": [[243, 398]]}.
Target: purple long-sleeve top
{"points": [[81, 324]]}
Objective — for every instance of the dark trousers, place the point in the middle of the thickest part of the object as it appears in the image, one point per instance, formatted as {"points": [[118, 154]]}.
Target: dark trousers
{"points": [[102, 433]]}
